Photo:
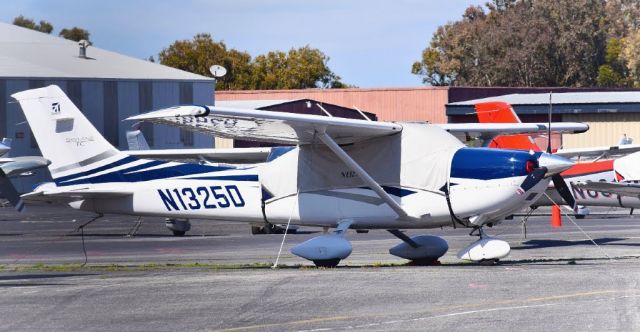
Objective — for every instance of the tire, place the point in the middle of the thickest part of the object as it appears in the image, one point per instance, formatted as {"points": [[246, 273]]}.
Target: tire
{"points": [[179, 233], [256, 230], [327, 263]]}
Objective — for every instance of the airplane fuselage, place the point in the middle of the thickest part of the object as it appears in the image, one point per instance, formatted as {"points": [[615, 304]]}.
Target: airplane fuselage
{"points": [[237, 194]]}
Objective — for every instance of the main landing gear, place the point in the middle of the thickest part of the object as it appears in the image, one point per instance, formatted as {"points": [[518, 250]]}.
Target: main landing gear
{"points": [[178, 226], [485, 249], [329, 249], [326, 250], [420, 249]]}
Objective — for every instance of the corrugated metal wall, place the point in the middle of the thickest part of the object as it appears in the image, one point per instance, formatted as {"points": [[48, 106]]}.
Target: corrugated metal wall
{"points": [[105, 103], [410, 104], [604, 129]]}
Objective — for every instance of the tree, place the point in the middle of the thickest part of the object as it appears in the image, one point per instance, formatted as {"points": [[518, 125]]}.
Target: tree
{"points": [[75, 34], [613, 72], [631, 55], [200, 53], [28, 23], [519, 43], [300, 68]]}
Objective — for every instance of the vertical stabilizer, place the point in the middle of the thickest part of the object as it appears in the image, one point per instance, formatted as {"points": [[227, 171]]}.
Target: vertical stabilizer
{"points": [[63, 133], [500, 112]]}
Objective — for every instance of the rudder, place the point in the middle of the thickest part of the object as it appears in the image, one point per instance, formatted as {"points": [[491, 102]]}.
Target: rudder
{"points": [[65, 136]]}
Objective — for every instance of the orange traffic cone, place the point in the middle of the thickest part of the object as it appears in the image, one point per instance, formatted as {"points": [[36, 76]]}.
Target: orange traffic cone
{"points": [[556, 218]]}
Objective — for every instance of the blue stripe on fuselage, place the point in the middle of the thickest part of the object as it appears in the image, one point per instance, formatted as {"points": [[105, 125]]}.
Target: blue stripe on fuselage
{"points": [[130, 174], [226, 177], [488, 164], [395, 191]]}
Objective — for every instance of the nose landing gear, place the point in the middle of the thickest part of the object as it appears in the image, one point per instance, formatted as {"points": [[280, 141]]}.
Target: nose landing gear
{"points": [[486, 249]]}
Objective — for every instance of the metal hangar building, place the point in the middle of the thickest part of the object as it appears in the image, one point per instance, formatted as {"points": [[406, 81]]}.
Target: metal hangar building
{"points": [[106, 86]]}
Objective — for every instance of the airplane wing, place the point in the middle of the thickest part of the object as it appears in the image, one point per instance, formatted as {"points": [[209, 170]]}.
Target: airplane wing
{"points": [[237, 155], [267, 126], [599, 151], [487, 131], [618, 188]]}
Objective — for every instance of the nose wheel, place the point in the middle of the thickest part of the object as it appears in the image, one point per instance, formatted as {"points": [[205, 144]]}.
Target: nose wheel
{"points": [[479, 232], [485, 250]]}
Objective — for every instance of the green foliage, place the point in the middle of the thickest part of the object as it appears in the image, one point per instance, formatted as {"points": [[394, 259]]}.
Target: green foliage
{"points": [[531, 43], [75, 34], [608, 77], [613, 73], [300, 68], [28, 23]]}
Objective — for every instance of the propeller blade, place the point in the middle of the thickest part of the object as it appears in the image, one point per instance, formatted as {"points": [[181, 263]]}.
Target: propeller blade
{"points": [[564, 191], [9, 192], [533, 178]]}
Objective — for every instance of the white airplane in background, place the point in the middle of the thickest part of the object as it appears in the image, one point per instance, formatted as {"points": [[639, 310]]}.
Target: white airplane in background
{"points": [[13, 167], [625, 183], [343, 173], [5, 146]]}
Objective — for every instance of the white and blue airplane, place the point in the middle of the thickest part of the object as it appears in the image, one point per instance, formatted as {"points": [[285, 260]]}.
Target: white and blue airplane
{"points": [[342, 173], [13, 167]]}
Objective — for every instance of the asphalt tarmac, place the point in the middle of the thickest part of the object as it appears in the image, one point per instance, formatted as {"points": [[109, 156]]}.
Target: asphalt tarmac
{"points": [[555, 279]]}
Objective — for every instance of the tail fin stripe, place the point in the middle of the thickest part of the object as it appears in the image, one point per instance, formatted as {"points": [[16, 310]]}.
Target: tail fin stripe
{"points": [[171, 172], [122, 161], [88, 161]]}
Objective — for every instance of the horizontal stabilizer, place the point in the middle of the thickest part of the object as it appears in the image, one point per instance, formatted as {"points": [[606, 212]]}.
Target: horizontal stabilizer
{"points": [[19, 165], [50, 193]]}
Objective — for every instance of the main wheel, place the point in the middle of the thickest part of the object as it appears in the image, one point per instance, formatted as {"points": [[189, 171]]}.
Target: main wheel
{"points": [[179, 233], [257, 230], [327, 262]]}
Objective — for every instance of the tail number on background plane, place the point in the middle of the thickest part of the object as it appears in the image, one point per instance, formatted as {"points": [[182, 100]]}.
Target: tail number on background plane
{"points": [[211, 197]]}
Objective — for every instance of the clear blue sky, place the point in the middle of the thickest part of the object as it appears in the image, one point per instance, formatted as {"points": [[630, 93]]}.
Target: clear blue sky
{"points": [[371, 43]]}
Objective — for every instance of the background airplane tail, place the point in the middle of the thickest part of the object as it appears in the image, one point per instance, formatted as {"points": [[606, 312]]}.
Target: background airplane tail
{"points": [[63, 133], [136, 140], [500, 112]]}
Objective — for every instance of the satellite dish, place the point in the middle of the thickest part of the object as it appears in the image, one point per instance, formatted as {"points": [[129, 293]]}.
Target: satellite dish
{"points": [[217, 71]]}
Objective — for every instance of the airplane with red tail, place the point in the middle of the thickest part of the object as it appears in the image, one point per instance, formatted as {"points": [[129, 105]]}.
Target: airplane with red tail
{"points": [[597, 167]]}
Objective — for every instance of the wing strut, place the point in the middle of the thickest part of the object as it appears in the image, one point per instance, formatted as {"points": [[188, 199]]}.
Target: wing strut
{"points": [[342, 155]]}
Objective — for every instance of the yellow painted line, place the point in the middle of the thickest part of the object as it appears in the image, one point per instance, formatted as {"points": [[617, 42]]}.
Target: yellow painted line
{"points": [[437, 309], [533, 299]]}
